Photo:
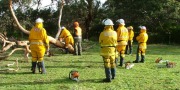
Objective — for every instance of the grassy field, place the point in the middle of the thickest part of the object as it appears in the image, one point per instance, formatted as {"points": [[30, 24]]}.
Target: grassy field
{"points": [[143, 76]]}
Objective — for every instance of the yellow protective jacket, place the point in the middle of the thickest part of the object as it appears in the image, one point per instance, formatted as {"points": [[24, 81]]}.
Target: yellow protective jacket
{"points": [[108, 42], [66, 35], [142, 39], [122, 35], [131, 34], [38, 39], [77, 31]]}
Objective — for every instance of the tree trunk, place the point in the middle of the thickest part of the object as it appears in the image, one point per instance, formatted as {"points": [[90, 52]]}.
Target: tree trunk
{"points": [[59, 21], [89, 17]]}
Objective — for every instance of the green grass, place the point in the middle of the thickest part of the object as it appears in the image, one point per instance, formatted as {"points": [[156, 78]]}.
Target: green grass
{"points": [[143, 76]]}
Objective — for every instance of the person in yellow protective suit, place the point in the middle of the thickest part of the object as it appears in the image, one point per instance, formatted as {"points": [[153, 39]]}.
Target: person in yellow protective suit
{"points": [[77, 39], [67, 37], [39, 44], [108, 42], [142, 39], [130, 40], [122, 38]]}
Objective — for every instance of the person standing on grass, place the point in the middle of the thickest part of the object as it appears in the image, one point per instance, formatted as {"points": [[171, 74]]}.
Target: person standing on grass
{"points": [[77, 39], [130, 40], [141, 49], [108, 42], [39, 44], [122, 38], [67, 37]]}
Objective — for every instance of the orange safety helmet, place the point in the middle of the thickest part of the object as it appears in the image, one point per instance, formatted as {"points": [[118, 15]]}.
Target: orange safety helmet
{"points": [[76, 24]]}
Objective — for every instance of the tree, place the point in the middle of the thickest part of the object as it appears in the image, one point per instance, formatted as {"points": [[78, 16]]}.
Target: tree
{"points": [[161, 17]]}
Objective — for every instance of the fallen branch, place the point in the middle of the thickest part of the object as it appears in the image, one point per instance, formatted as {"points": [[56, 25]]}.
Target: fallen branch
{"points": [[11, 69], [16, 49], [88, 47]]}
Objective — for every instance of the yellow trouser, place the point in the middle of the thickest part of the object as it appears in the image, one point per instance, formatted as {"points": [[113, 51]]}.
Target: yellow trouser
{"points": [[109, 61], [142, 48], [142, 51], [121, 49], [69, 40], [37, 52]]}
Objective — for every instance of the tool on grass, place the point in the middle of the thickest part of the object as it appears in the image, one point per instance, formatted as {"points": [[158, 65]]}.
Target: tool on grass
{"points": [[74, 75], [164, 63], [129, 65]]}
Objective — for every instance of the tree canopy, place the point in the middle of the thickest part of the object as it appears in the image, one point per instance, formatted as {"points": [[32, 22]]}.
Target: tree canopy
{"points": [[161, 17]]}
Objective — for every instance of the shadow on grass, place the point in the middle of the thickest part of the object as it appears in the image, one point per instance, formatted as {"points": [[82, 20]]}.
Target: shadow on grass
{"points": [[67, 66], [75, 66], [65, 80], [40, 81], [87, 61], [91, 81], [15, 73], [76, 61]]}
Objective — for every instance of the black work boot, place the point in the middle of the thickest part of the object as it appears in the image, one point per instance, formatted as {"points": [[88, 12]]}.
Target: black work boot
{"points": [[42, 69], [142, 58], [39, 67], [126, 51], [107, 80], [137, 59], [108, 75], [130, 50], [33, 67], [113, 72], [121, 61], [66, 51]]}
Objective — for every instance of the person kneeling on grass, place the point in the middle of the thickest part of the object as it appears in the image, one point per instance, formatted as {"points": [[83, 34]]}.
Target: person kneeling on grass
{"points": [[66, 35], [108, 42]]}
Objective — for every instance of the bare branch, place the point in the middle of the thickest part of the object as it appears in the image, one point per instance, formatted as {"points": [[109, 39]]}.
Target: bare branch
{"points": [[15, 18], [59, 21]]}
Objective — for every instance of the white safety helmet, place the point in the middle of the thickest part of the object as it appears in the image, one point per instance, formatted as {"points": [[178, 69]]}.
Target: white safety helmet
{"points": [[103, 21], [107, 22], [130, 27], [39, 20], [62, 27], [142, 27], [121, 21]]}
